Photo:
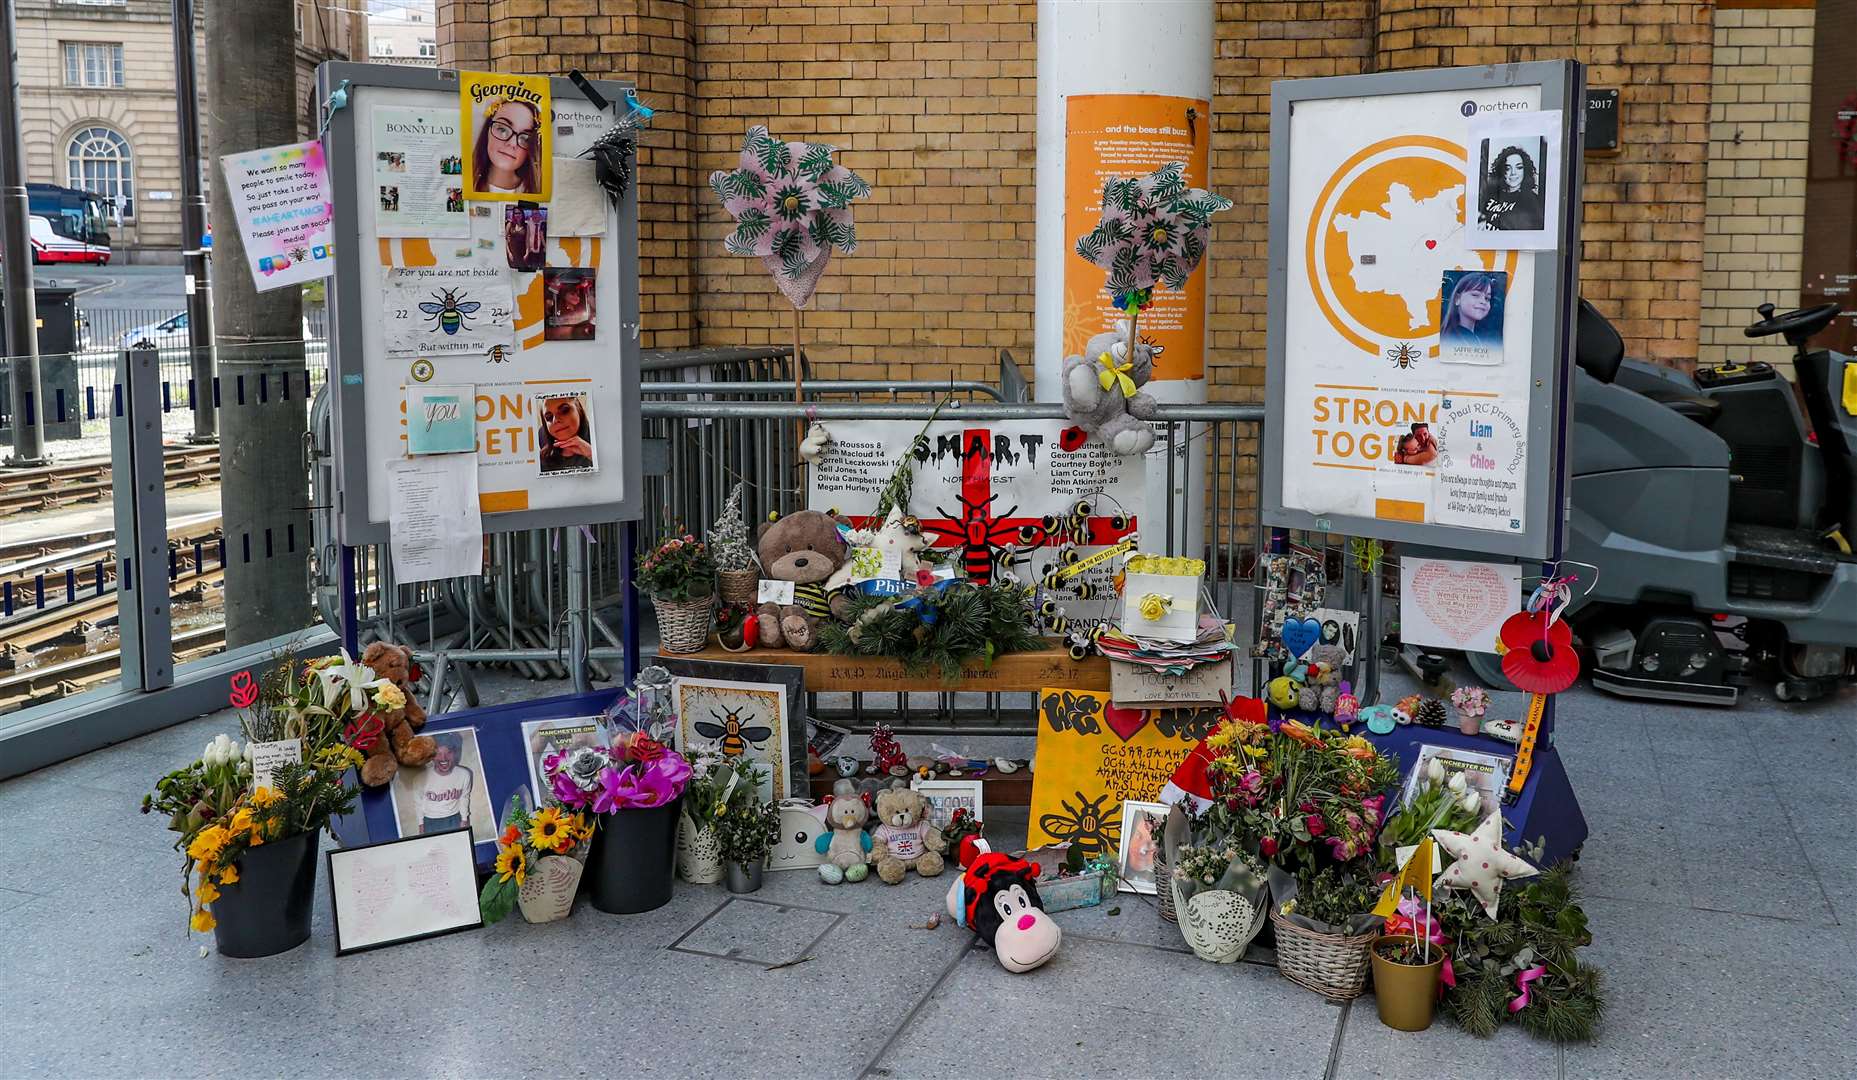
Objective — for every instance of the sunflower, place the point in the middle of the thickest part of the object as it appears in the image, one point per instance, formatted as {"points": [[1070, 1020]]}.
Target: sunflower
{"points": [[510, 862], [548, 830], [203, 921]]}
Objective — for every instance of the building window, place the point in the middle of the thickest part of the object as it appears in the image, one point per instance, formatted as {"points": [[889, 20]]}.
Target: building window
{"points": [[383, 46], [98, 161], [428, 48], [90, 63]]}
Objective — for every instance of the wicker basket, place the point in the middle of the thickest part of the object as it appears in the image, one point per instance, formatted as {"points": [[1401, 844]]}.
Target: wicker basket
{"points": [[1163, 877], [684, 625], [741, 587], [1333, 965]]}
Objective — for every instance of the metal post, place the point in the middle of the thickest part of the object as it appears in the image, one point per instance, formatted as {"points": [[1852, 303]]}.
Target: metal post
{"points": [[577, 608], [193, 229], [141, 503], [22, 332]]}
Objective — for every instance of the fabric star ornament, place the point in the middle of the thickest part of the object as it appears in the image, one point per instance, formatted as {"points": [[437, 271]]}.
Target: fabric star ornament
{"points": [[1482, 863], [1153, 230], [792, 207]]}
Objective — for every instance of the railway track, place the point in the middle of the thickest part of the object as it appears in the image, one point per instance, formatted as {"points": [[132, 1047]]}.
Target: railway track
{"points": [[30, 490], [71, 623], [59, 680], [22, 565]]}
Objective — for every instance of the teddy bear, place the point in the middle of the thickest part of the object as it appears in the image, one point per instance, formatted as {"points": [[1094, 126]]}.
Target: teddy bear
{"points": [[904, 840], [396, 744], [1102, 391], [803, 548], [845, 844]]}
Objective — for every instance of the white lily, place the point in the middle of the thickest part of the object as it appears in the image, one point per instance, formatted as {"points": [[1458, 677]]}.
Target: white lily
{"points": [[354, 678]]}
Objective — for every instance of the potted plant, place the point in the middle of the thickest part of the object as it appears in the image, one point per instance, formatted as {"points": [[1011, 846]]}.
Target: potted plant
{"points": [[1325, 926], [747, 828], [699, 851], [540, 856], [680, 577], [1405, 981], [249, 853], [633, 789], [738, 573]]}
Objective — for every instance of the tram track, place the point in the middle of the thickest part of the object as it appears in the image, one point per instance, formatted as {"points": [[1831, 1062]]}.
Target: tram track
{"points": [[54, 486]]}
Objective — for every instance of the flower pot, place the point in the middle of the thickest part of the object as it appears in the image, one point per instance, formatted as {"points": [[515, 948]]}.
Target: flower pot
{"points": [[631, 860], [267, 911], [745, 877], [740, 587], [684, 625], [547, 892], [1405, 993], [699, 853]]}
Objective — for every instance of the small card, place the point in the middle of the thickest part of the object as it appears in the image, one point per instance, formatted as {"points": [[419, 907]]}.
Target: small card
{"points": [[441, 419], [775, 592], [267, 756]]}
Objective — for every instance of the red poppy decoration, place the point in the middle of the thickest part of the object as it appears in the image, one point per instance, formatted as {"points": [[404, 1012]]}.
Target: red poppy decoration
{"points": [[414, 672], [1537, 655], [1071, 439], [363, 732]]}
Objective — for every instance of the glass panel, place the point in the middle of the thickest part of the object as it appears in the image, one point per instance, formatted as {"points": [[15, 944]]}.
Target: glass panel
{"points": [[116, 65], [1830, 257], [72, 76]]}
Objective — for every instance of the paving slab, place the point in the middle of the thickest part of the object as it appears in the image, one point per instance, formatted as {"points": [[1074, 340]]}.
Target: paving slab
{"points": [[1370, 1049]]}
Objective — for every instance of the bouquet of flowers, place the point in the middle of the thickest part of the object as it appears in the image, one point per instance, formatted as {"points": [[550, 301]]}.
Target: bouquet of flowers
{"points": [[712, 783], [636, 773], [1436, 803], [527, 837], [1297, 795], [681, 568], [1203, 867]]}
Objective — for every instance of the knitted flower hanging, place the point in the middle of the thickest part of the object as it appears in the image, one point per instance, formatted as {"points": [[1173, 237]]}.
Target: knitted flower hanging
{"points": [[1153, 231], [792, 206]]}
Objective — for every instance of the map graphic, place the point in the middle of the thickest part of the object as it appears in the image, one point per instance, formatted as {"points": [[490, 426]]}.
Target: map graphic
{"points": [[1404, 224]]}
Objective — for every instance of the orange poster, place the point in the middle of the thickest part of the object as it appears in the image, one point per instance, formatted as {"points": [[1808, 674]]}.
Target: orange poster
{"points": [[1132, 135]]}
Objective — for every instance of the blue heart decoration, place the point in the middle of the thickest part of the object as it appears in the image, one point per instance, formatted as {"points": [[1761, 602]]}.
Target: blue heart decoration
{"points": [[1300, 635]]}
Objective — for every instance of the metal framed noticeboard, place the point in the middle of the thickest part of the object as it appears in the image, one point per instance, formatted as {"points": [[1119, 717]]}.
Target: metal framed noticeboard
{"points": [[1420, 348], [425, 293]]}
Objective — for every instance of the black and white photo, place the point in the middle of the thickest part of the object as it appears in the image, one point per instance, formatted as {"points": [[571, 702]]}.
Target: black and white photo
{"points": [[1514, 176]]}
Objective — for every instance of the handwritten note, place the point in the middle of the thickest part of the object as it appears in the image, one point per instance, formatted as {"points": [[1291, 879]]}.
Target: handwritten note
{"points": [[774, 592], [1456, 605], [434, 523], [267, 756]]}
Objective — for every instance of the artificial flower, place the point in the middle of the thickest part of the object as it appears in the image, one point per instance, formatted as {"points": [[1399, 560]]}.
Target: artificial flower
{"points": [[1152, 231], [510, 835], [511, 862], [389, 696], [203, 921], [548, 828], [643, 748], [347, 679]]}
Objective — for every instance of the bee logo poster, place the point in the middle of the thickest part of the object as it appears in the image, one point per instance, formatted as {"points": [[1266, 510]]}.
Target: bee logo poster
{"points": [[506, 119]]}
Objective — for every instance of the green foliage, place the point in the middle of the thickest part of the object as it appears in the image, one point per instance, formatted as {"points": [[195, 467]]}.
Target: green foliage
{"points": [[968, 621], [746, 827], [1539, 923], [1335, 893]]}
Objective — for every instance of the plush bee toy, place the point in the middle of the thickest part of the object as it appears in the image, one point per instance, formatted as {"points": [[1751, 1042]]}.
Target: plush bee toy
{"points": [[996, 897]]}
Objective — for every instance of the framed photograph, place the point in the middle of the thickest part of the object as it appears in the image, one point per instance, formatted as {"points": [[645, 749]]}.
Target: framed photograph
{"points": [[447, 793], [946, 796], [403, 890], [1141, 842], [748, 709], [543, 737]]}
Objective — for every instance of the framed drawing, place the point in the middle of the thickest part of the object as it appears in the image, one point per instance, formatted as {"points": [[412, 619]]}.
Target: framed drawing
{"points": [[749, 710], [403, 890], [946, 796], [1141, 841]]}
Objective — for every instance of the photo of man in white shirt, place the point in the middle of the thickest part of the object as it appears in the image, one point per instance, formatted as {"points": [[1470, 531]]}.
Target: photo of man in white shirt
{"points": [[445, 797]]}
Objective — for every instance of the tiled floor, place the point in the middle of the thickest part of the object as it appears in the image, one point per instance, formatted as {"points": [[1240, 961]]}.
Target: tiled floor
{"points": [[1721, 879]]}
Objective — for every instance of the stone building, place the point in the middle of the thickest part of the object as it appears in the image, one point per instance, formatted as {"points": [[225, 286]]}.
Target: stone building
{"points": [[98, 109], [1700, 213]]}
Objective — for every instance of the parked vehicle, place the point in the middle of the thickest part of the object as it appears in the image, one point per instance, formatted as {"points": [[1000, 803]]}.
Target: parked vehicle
{"points": [[67, 225]]}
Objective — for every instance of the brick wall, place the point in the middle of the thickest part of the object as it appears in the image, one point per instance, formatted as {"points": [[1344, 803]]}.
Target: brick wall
{"points": [[1759, 137], [463, 35]]}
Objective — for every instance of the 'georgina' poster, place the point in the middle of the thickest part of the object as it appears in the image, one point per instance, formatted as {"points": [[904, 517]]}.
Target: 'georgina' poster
{"points": [[505, 145]]}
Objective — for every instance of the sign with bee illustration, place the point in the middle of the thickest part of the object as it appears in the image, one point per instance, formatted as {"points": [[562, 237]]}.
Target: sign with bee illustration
{"points": [[741, 719], [448, 310], [1091, 757]]}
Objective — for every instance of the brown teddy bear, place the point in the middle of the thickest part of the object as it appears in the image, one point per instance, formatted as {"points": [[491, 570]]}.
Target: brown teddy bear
{"points": [[806, 549], [904, 840], [397, 745]]}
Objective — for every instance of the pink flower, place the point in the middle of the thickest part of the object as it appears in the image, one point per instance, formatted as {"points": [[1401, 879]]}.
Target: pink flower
{"points": [[1315, 824], [1268, 845]]}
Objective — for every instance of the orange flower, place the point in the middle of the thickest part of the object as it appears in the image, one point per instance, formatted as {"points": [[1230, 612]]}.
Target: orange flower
{"points": [[1299, 731], [509, 836]]}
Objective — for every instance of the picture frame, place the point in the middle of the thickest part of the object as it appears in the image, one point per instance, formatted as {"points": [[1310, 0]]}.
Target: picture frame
{"points": [[427, 801], [372, 905], [946, 796], [789, 679], [1139, 845]]}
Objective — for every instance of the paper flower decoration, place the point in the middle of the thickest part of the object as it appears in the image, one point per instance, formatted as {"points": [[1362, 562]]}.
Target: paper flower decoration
{"points": [[792, 206], [1153, 231], [1482, 863], [1537, 652]]}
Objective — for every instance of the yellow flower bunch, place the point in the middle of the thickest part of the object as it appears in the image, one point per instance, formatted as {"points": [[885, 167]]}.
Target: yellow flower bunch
{"points": [[208, 843], [552, 830], [265, 796]]}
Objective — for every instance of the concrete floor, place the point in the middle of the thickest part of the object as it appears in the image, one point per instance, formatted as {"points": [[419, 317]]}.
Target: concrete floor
{"points": [[1721, 880]]}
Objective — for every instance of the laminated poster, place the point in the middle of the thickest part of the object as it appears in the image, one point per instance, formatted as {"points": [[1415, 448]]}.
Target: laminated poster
{"points": [[1514, 168], [1447, 604], [418, 173], [434, 523], [564, 434], [567, 305], [1481, 477], [1471, 303], [447, 310], [280, 196], [441, 419], [506, 123]]}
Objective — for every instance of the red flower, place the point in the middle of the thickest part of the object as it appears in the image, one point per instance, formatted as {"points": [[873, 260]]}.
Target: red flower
{"points": [[1268, 845], [1072, 439], [1232, 804], [1315, 824], [644, 748]]}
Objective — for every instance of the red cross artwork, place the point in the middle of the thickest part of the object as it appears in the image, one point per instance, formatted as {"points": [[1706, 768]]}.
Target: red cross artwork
{"points": [[980, 530]]}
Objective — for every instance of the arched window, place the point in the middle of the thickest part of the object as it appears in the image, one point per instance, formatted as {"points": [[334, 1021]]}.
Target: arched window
{"points": [[98, 160]]}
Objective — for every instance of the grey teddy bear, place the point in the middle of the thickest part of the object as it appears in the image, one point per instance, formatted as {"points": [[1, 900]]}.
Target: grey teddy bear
{"points": [[1106, 412]]}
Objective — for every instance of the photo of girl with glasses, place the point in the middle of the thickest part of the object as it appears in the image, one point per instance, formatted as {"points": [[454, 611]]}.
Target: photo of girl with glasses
{"points": [[564, 434], [507, 157]]}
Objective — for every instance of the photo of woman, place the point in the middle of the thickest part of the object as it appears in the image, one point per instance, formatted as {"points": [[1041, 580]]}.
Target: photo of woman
{"points": [[564, 435], [1510, 199], [1470, 311], [507, 157], [525, 237], [1140, 845], [567, 305]]}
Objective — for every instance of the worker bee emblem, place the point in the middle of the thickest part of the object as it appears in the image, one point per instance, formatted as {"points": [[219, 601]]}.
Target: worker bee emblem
{"points": [[451, 313], [734, 736], [1405, 355]]}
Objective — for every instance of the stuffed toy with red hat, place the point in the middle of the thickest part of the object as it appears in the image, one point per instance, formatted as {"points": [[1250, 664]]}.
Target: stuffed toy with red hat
{"points": [[996, 897]]}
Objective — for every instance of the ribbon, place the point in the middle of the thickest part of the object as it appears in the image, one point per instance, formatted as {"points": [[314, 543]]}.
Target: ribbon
{"points": [[1366, 553], [362, 733], [1114, 376], [1167, 565], [1522, 979], [1402, 923]]}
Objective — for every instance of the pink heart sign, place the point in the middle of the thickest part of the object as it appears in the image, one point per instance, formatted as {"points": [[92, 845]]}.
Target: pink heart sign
{"points": [[1462, 602]]}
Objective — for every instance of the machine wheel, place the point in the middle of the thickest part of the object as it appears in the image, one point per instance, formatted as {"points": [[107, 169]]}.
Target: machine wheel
{"points": [[1488, 668]]}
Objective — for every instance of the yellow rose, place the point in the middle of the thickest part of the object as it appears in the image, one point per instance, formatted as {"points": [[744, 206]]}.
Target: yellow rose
{"points": [[388, 696]]}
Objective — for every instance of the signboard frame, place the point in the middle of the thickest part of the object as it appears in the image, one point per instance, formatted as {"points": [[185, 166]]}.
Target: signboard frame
{"points": [[1554, 297], [357, 268]]}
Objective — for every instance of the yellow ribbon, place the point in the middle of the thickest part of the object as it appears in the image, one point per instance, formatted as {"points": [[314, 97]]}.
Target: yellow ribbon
{"points": [[1115, 375], [1155, 605]]}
